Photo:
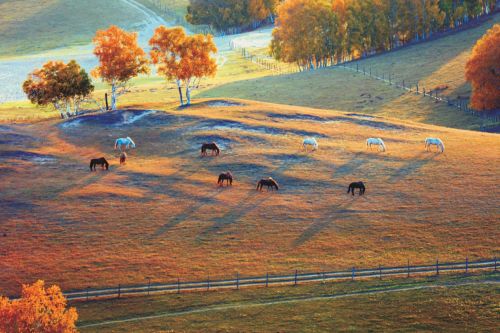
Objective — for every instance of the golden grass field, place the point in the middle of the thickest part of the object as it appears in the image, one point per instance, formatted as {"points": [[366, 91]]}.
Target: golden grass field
{"points": [[162, 215], [461, 303]]}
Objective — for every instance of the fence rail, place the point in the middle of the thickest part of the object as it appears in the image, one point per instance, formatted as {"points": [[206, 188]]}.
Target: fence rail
{"points": [[287, 279]]}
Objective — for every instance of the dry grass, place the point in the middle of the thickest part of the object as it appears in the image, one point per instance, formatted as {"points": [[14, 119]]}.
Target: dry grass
{"points": [[163, 216], [472, 307]]}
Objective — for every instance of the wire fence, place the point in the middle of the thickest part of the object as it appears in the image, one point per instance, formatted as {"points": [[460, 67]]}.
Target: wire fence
{"points": [[415, 87], [295, 278]]}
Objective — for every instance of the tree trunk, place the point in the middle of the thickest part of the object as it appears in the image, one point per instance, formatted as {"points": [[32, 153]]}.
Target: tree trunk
{"points": [[179, 87], [188, 95], [113, 96]]}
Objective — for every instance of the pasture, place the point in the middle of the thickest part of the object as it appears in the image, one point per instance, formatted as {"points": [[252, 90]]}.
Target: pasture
{"points": [[464, 302], [29, 26], [163, 216], [434, 64]]}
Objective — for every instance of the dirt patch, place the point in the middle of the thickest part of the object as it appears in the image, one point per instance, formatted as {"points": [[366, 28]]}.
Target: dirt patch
{"points": [[225, 125], [26, 156], [125, 118], [222, 103]]}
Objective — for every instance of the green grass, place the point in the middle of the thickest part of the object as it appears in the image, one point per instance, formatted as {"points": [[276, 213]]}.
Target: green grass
{"points": [[461, 307], [33, 26], [434, 63]]}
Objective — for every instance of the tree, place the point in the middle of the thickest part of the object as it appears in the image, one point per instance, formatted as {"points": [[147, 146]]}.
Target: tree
{"points": [[39, 310], [58, 84], [483, 71], [120, 59], [184, 59]]}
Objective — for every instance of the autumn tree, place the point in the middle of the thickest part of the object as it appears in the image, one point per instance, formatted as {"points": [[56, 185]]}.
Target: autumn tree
{"points": [[39, 310], [62, 85], [483, 71], [182, 58], [120, 59], [226, 14]]}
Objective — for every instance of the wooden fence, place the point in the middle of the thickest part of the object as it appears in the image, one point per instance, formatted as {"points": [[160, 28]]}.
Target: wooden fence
{"points": [[295, 278], [389, 78]]}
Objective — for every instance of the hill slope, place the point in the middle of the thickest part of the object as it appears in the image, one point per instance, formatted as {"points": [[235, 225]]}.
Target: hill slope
{"points": [[163, 216], [437, 62], [32, 26]]}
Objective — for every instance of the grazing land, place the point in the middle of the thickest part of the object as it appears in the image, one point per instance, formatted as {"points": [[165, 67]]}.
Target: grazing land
{"points": [[162, 216], [435, 63], [32, 26], [428, 304]]}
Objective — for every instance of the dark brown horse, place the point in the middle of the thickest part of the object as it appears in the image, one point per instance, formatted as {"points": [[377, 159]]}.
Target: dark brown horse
{"points": [[359, 185], [210, 146], [269, 182], [123, 157], [226, 176], [99, 161]]}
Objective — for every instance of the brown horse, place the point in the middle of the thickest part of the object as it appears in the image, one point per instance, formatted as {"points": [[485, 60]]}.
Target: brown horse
{"points": [[359, 185], [269, 182], [210, 146], [226, 176], [123, 157], [99, 161]]}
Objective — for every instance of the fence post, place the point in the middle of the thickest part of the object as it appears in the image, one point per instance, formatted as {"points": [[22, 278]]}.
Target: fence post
{"points": [[403, 84], [495, 264], [208, 282], [178, 285], [119, 290], [424, 91], [380, 272], [295, 277], [352, 274], [267, 280], [237, 281], [357, 68], [149, 284], [408, 275], [417, 87], [88, 293], [390, 79], [437, 266]]}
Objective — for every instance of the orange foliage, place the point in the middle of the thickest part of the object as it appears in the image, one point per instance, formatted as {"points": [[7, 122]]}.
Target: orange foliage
{"points": [[120, 58], [38, 310], [182, 58], [483, 71]]}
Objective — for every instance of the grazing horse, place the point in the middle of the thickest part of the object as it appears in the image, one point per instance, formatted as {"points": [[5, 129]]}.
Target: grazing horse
{"points": [[127, 142], [210, 146], [99, 161], [310, 142], [436, 142], [226, 176], [269, 182], [376, 141], [123, 157], [359, 185]]}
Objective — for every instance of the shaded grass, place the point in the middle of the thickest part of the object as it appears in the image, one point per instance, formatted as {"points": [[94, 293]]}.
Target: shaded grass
{"points": [[471, 306], [32, 26], [163, 216]]}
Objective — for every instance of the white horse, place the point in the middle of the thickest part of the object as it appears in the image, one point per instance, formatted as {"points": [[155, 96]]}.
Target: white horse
{"points": [[375, 141], [436, 142], [127, 142], [310, 142]]}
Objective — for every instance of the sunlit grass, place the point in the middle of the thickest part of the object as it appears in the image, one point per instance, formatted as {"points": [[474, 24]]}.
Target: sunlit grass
{"points": [[163, 216]]}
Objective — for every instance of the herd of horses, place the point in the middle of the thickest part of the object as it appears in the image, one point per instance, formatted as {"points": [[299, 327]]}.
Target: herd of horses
{"points": [[125, 143]]}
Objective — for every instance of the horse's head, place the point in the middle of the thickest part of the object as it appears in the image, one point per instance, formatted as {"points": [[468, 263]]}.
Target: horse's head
{"points": [[132, 143]]}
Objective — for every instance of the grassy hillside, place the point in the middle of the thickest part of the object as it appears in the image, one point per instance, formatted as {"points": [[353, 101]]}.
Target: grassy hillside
{"points": [[456, 308], [31, 26], [163, 216], [439, 62]]}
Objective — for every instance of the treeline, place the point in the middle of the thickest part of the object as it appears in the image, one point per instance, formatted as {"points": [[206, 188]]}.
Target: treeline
{"points": [[317, 33], [231, 15]]}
